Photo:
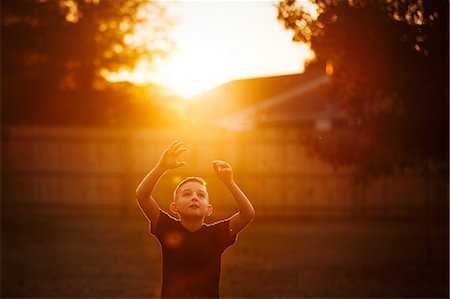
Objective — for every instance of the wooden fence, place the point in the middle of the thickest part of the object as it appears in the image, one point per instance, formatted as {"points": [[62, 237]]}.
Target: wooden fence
{"points": [[102, 167]]}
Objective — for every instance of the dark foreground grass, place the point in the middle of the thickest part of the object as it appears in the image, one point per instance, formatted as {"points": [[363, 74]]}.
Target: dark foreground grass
{"points": [[88, 254]]}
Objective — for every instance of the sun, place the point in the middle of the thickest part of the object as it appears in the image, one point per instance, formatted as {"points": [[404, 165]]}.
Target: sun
{"points": [[199, 64], [216, 42]]}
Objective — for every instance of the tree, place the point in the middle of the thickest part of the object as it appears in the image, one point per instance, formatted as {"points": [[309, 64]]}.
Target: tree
{"points": [[390, 76], [54, 52]]}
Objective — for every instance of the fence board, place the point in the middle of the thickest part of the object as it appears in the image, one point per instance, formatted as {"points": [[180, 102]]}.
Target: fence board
{"points": [[94, 166]]}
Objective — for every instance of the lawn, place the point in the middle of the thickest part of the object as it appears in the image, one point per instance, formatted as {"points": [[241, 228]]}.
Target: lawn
{"points": [[81, 253]]}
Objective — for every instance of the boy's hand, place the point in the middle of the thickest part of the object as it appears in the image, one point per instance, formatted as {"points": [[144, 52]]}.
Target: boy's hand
{"points": [[223, 171], [169, 157]]}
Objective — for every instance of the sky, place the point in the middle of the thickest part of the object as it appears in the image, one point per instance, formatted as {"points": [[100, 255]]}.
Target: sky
{"points": [[220, 41]]}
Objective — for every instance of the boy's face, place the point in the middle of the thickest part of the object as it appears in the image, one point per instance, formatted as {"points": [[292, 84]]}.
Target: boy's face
{"points": [[191, 200]]}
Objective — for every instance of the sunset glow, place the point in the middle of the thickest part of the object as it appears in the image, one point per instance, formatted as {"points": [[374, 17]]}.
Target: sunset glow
{"points": [[197, 65], [217, 42]]}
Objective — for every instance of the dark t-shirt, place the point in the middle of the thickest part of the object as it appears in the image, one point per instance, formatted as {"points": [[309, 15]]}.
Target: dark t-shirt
{"points": [[191, 260]]}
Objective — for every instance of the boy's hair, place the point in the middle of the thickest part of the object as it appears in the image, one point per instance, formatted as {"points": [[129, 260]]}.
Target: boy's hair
{"points": [[188, 179]]}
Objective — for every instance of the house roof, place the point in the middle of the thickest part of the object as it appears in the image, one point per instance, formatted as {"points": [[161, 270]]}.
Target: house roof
{"points": [[240, 104]]}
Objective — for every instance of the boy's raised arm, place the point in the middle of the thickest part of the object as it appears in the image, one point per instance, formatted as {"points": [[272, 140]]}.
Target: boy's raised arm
{"points": [[144, 191], [246, 211]]}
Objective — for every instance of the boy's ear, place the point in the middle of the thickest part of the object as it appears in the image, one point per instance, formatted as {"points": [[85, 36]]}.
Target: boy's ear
{"points": [[209, 210], [173, 207]]}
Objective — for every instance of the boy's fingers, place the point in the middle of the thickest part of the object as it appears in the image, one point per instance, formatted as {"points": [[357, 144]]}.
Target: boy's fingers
{"points": [[215, 166], [182, 163], [180, 150], [172, 145], [221, 168], [178, 145], [221, 164]]}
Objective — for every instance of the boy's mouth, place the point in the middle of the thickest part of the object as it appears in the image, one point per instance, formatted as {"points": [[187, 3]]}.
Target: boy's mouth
{"points": [[194, 206]]}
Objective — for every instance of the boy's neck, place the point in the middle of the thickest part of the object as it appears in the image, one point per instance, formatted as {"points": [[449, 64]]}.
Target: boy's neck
{"points": [[192, 225]]}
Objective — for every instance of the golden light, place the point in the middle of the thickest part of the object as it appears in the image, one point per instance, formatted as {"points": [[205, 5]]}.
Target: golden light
{"points": [[329, 68], [198, 65], [139, 75], [212, 50]]}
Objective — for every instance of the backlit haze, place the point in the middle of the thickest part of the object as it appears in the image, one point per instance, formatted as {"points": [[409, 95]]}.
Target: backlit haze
{"points": [[220, 41]]}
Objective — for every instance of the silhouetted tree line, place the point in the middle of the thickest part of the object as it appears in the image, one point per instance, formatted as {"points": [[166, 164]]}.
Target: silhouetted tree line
{"points": [[389, 65], [53, 54]]}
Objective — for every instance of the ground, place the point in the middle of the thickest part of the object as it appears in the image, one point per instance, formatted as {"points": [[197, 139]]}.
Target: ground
{"points": [[78, 253]]}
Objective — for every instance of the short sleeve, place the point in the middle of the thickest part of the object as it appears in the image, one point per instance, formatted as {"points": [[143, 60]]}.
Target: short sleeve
{"points": [[222, 231], [164, 223]]}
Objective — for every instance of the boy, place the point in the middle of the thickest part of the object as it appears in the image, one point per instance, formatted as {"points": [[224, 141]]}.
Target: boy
{"points": [[191, 249]]}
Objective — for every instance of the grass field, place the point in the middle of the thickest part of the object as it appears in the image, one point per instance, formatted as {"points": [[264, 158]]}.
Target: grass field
{"points": [[99, 254]]}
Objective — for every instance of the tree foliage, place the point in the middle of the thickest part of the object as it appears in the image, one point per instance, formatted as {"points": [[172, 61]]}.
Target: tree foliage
{"points": [[54, 52], [389, 61]]}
